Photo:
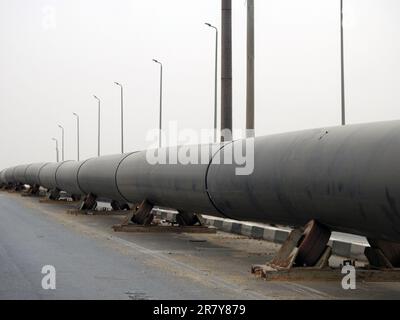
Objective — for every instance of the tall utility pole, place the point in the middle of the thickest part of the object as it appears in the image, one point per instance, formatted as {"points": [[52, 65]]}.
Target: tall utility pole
{"points": [[77, 133], [226, 70], [343, 93], [250, 120], [62, 141], [122, 116], [98, 124], [215, 82], [57, 156], [161, 101]]}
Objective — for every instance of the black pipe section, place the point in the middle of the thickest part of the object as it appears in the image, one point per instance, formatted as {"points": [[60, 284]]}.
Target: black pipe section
{"points": [[346, 178]]}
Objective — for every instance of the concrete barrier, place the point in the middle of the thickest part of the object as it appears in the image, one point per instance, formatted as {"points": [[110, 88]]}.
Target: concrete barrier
{"points": [[342, 245]]}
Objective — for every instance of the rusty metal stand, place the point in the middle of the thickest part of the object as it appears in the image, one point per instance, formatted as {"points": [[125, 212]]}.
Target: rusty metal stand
{"points": [[118, 206], [75, 198], [19, 187], [305, 249], [88, 206], [141, 220], [53, 194], [8, 187], [305, 257], [33, 191], [14, 188], [89, 202], [185, 219], [143, 215]]}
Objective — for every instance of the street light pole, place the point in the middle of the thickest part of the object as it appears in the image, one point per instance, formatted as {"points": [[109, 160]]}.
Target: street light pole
{"points": [[98, 125], [342, 66], [122, 116], [161, 100], [57, 156], [62, 141], [77, 133], [226, 70], [250, 115], [216, 82]]}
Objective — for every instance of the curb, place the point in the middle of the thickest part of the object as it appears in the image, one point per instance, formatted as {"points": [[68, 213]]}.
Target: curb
{"points": [[272, 234]]}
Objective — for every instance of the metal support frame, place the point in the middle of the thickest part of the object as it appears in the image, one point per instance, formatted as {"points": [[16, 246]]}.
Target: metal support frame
{"points": [[76, 197], [53, 194], [305, 255], [143, 215], [185, 219], [305, 248], [89, 202], [9, 187], [142, 220], [19, 187], [88, 206], [119, 206], [33, 191]]}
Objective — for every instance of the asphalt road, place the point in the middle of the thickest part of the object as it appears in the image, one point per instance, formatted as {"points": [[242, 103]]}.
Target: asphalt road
{"points": [[92, 262]]}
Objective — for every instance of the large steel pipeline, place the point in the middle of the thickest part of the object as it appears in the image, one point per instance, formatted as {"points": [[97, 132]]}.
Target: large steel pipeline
{"points": [[9, 176], [347, 178], [97, 176], [67, 177], [32, 174], [179, 186], [20, 173], [47, 175]]}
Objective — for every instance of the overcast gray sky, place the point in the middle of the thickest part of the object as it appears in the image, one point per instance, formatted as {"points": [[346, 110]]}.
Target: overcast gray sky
{"points": [[55, 54]]}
